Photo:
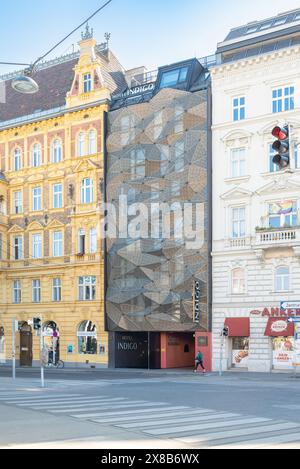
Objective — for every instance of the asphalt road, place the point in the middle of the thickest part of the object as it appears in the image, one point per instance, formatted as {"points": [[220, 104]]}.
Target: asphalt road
{"points": [[140, 409]]}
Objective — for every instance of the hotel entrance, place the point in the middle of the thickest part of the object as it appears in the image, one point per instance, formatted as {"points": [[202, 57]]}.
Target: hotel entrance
{"points": [[26, 345]]}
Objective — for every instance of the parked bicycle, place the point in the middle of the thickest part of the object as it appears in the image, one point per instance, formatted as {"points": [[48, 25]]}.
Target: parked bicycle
{"points": [[59, 365]]}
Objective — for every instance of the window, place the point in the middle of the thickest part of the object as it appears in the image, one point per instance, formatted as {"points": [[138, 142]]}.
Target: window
{"points": [[93, 241], [238, 162], [283, 214], [56, 151], [18, 248], [252, 29], [282, 279], [36, 155], [17, 159], [92, 142], [57, 244], [280, 21], [179, 156], [87, 338], [87, 191], [238, 222], [87, 288], [81, 144], [37, 246], [297, 160], [174, 77], [17, 292], [283, 99], [239, 109], [56, 289], [179, 115], [37, 199], [36, 291], [138, 169], [57, 196], [238, 281], [18, 202], [87, 83], [81, 242], [266, 25]]}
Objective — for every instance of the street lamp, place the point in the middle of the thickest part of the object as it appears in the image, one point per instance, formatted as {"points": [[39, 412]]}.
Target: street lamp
{"points": [[24, 83]]}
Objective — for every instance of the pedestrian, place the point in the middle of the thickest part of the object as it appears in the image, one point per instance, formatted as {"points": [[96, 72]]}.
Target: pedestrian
{"points": [[199, 361]]}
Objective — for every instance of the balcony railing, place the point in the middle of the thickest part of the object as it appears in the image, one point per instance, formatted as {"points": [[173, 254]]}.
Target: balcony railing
{"points": [[284, 235]]}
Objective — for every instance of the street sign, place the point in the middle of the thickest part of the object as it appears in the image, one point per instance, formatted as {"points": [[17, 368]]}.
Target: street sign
{"points": [[295, 319], [290, 305]]}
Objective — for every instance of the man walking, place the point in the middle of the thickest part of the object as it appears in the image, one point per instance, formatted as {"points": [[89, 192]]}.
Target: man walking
{"points": [[199, 361]]}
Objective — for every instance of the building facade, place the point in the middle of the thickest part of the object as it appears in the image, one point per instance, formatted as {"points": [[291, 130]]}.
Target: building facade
{"points": [[51, 192], [256, 218], [158, 299]]}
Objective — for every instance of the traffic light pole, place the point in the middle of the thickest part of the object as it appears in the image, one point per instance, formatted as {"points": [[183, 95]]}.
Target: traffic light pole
{"points": [[221, 354], [41, 355], [14, 349]]}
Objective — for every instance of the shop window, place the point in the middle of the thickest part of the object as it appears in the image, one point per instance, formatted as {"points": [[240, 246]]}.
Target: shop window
{"points": [[240, 352], [87, 338]]}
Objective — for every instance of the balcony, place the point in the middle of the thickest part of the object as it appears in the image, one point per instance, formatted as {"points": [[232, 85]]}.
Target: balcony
{"points": [[278, 237]]}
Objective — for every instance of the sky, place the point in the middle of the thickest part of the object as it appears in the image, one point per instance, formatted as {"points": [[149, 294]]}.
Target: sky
{"points": [[143, 32]]}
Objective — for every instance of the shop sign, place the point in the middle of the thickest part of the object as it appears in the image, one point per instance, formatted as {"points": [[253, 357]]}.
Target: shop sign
{"points": [[275, 313], [279, 326], [197, 306], [87, 334], [137, 90], [70, 349]]}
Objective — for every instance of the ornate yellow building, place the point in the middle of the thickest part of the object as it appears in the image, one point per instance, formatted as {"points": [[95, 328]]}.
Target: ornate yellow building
{"points": [[52, 151]]}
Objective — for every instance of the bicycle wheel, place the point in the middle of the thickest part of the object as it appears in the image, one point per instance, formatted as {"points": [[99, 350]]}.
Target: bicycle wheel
{"points": [[60, 364]]}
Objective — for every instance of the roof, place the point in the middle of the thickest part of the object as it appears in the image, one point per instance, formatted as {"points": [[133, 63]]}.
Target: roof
{"points": [[55, 81], [287, 19]]}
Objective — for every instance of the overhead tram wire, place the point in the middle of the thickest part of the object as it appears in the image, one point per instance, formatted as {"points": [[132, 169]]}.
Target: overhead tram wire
{"points": [[39, 59]]}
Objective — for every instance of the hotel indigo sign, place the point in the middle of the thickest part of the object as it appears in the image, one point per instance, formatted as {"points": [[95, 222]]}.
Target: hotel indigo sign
{"points": [[197, 296]]}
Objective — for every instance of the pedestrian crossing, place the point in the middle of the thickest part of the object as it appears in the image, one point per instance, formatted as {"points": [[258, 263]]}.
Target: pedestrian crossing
{"points": [[191, 427]]}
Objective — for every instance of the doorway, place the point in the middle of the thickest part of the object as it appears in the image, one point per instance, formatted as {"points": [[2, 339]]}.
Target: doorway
{"points": [[26, 345]]}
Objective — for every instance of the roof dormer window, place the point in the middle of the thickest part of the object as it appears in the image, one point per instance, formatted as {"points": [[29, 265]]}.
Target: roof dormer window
{"points": [[87, 83]]}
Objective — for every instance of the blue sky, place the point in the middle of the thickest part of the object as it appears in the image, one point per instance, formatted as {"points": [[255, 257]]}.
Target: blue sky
{"points": [[150, 33]]}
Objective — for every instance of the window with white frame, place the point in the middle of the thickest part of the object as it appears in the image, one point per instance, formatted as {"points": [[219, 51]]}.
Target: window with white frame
{"points": [[57, 196], [56, 151], [18, 247], [237, 162], [37, 199], [239, 108], [238, 281], [238, 222], [81, 150], [81, 242], [87, 288], [56, 290], [17, 159], [138, 163], [87, 191], [283, 99], [36, 155], [93, 241], [57, 241], [17, 197], [282, 279], [37, 246], [17, 292], [36, 291], [283, 214], [87, 83], [92, 142]]}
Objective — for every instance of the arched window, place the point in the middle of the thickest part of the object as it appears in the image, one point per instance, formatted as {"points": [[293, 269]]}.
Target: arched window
{"points": [[81, 144], [36, 155], [56, 151], [92, 142], [238, 281], [17, 163], [87, 191], [87, 338], [282, 279]]}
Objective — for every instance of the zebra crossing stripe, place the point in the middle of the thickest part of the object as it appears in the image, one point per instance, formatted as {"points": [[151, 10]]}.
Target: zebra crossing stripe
{"points": [[99, 407], [145, 406], [42, 398], [130, 412], [273, 440], [212, 437], [206, 426], [69, 403], [61, 401], [158, 415]]}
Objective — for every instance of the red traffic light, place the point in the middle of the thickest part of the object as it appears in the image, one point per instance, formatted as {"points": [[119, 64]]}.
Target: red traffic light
{"points": [[281, 133]]}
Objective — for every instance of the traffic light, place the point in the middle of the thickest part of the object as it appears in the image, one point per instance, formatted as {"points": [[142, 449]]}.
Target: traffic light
{"points": [[37, 324], [225, 332], [281, 146]]}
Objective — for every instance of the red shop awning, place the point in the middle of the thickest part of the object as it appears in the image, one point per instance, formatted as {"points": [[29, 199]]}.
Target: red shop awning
{"points": [[238, 327], [279, 327]]}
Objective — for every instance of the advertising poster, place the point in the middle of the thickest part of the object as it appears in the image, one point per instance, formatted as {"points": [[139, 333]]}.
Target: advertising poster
{"points": [[283, 352]]}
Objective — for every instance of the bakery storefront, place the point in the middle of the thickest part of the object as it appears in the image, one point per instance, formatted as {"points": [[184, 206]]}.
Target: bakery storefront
{"points": [[281, 333], [238, 333]]}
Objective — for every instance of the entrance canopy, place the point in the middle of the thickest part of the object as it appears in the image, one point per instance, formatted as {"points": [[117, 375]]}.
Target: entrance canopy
{"points": [[279, 327], [238, 327]]}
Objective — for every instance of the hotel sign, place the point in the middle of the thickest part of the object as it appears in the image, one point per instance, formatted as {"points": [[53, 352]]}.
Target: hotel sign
{"points": [[196, 302], [136, 91]]}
